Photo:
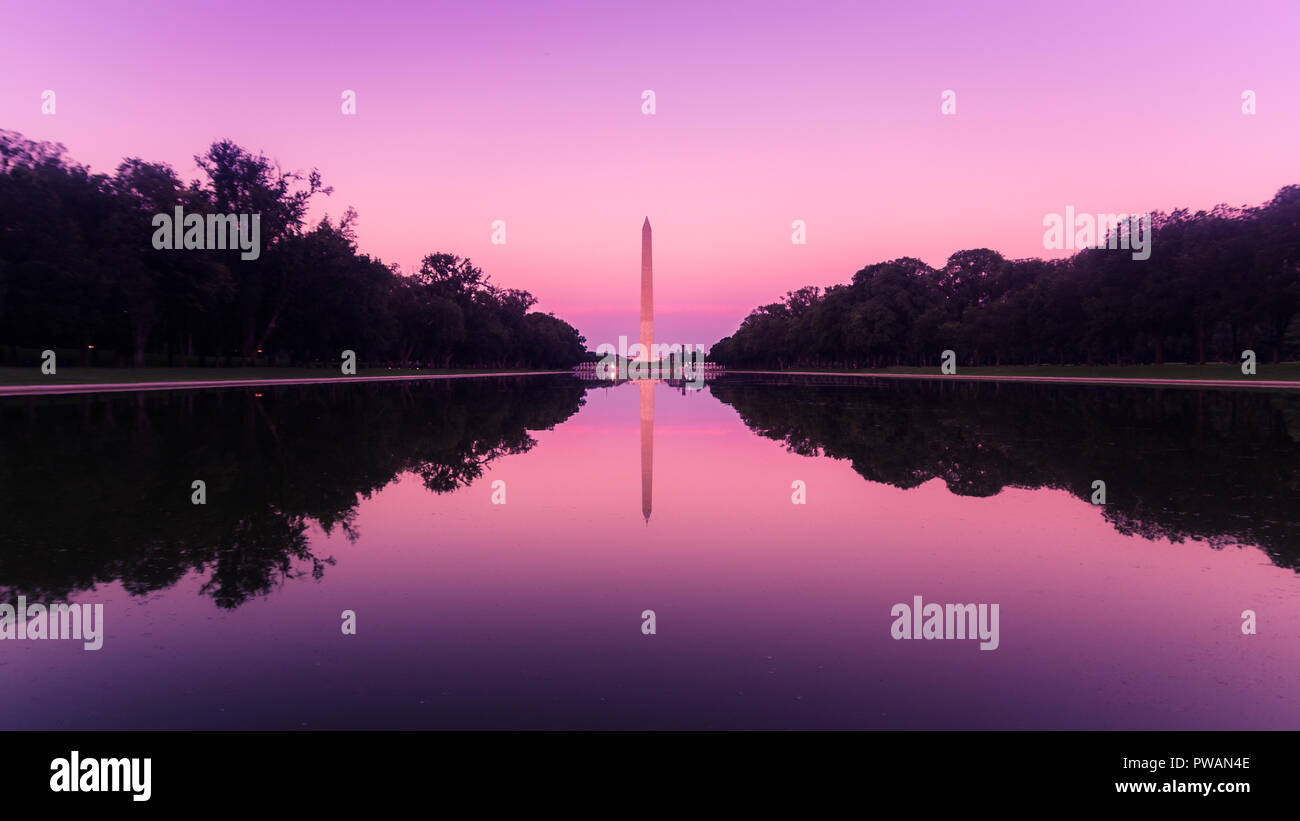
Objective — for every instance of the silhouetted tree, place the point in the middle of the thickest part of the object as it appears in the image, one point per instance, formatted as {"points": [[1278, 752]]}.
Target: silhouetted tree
{"points": [[78, 268], [1216, 282]]}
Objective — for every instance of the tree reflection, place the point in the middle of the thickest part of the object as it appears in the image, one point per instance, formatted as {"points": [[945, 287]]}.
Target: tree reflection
{"points": [[96, 488], [1221, 466]]}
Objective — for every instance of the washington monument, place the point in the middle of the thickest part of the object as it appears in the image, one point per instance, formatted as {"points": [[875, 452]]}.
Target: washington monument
{"points": [[647, 295]]}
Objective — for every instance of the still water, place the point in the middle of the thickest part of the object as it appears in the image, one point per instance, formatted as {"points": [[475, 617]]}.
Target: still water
{"points": [[379, 499]]}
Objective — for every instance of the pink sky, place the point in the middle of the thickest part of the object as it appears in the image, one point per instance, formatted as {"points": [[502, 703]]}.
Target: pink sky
{"points": [[766, 113]]}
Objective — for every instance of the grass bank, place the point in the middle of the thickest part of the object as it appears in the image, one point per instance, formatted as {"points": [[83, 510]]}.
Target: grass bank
{"points": [[1283, 372], [100, 376]]}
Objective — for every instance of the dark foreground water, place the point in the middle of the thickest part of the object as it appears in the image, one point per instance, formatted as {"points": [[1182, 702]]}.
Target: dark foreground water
{"points": [[379, 499]]}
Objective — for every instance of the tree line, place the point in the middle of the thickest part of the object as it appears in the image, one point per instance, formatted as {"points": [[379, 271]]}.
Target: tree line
{"points": [[78, 270], [1217, 282]]}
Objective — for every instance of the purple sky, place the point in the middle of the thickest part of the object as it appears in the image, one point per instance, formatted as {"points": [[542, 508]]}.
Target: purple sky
{"points": [[766, 113]]}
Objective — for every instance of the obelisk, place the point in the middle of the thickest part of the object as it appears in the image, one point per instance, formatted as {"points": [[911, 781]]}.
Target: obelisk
{"points": [[647, 295]]}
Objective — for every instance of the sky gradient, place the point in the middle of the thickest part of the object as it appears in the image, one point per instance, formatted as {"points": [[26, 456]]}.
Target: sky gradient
{"points": [[765, 113]]}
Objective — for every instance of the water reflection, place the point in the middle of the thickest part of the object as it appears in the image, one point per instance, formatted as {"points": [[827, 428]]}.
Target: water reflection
{"points": [[97, 488], [647, 389], [527, 615], [1221, 466]]}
